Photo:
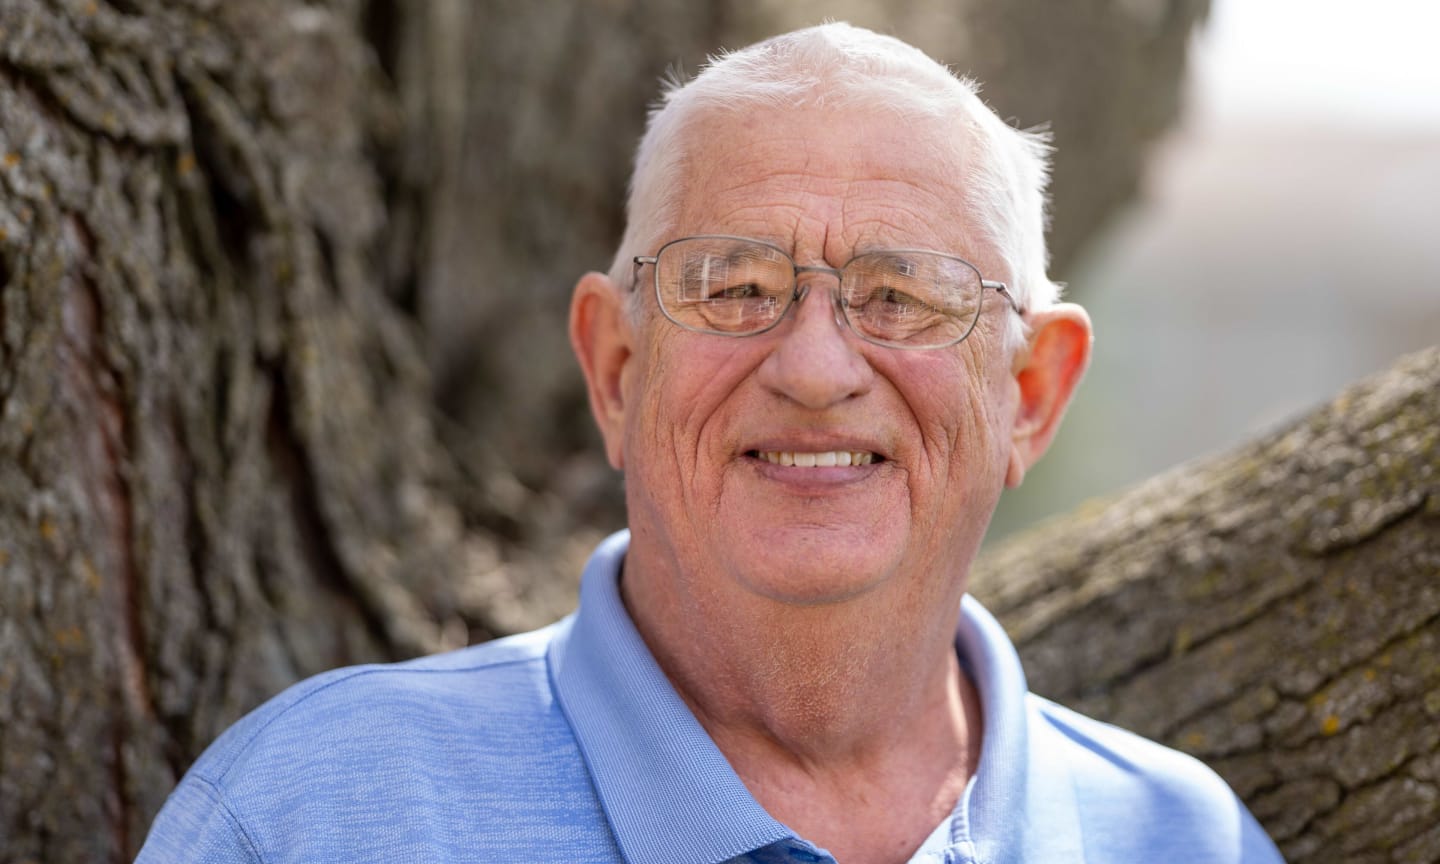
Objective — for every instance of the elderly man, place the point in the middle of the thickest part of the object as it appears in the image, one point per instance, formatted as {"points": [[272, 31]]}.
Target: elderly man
{"points": [[825, 346]]}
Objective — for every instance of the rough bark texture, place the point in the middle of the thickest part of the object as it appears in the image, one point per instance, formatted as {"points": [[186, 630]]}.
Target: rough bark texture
{"points": [[1275, 612], [215, 452]]}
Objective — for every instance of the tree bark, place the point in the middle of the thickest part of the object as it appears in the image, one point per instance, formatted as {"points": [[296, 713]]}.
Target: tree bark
{"points": [[1275, 612], [216, 461]]}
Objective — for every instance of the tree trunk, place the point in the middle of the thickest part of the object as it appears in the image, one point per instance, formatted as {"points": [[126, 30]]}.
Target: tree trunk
{"points": [[216, 461], [1275, 612]]}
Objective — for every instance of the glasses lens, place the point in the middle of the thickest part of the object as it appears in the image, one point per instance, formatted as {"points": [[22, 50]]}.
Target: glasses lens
{"points": [[720, 285], [911, 299]]}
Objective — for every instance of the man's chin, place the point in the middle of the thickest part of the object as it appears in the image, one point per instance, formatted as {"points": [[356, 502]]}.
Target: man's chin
{"points": [[801, 572], [804, 594]]}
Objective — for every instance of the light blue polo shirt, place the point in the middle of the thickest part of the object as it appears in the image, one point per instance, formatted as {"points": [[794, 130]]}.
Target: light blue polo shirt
{"points": [[569, 744]]}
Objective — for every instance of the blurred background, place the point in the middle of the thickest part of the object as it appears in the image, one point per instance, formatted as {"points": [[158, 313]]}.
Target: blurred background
{"points": [[1284, 241]]}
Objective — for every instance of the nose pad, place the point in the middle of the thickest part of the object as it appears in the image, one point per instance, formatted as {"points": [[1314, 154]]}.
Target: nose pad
{"points": [[837, 305]]}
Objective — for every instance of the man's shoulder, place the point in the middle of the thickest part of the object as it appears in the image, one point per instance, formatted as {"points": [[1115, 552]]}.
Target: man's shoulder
{"points": [[480, 692], [1123, 781], [395, 762], [1110, 752], [454, 756]]}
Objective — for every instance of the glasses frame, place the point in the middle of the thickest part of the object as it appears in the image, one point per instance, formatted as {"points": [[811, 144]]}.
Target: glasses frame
{"points": [[799, 291]]}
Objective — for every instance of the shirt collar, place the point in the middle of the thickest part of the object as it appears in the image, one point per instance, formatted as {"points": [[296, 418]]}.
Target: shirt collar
{"points": [[669, 793], [1020, 804]]}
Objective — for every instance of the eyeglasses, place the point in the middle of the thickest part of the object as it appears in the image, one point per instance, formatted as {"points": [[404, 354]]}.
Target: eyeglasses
{"points": [[902, 298]]}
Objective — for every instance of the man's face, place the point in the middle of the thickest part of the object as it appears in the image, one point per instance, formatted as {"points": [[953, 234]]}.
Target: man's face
{"points": [[706, 416]]}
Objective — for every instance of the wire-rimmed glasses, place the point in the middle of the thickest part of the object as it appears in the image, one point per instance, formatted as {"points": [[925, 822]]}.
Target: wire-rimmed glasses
{"points": [[899, 298]]}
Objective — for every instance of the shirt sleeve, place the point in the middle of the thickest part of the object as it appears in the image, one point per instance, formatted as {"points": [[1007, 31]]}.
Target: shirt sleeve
{"points": [[197, 825], [1256, 847]]}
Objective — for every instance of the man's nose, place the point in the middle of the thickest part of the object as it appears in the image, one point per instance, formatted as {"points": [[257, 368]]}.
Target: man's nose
{"points": [[816, 361]]}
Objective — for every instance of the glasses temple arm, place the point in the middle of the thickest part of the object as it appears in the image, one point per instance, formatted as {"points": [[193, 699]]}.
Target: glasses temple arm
{"points": [[641, 261], [1002, 290]]}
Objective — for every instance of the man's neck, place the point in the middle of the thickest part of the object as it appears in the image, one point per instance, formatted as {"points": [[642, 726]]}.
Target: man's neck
{"points": [[851, 723]]}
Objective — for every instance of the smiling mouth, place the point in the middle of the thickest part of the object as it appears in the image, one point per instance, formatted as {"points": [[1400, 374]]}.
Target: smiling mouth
{"points": [[822, 459]]}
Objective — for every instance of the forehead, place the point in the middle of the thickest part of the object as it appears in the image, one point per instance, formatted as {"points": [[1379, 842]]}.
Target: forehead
{"points": [[828, 182]]}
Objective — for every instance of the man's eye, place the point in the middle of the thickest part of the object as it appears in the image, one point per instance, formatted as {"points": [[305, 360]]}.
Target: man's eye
{"points": [[897, 297], [893, 301], [741, 291]]}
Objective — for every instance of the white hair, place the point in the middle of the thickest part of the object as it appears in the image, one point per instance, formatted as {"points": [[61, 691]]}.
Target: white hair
{"points": [[838, 64]]}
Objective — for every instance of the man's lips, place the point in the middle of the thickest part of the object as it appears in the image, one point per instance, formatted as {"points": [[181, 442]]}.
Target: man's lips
{"points": [[816, 458]]}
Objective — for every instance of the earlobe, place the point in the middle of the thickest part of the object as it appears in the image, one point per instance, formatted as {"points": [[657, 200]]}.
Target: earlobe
{"points": [[1015, 471], [1047, 374], [600, 335]]}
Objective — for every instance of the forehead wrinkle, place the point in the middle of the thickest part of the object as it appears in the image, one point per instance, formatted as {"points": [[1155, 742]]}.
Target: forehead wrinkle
{"points": [[773, 223], [798, 182], [749, 159], [920, 218], [772, 208], [924, 176], [869, 214]]}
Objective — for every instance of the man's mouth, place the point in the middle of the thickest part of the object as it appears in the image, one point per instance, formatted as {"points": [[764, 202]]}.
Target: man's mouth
{"points": [[822, 459]]}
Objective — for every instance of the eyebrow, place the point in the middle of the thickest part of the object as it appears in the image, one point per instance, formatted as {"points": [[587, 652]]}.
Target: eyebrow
{"points": [[901, 260]]}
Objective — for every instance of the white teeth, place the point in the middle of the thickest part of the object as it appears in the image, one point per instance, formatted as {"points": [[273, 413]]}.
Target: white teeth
{"points": [[826, 459]]}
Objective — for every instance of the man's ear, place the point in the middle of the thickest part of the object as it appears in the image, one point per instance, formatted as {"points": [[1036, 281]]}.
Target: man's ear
{"points": [[1047, 372], [601, 338]]}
